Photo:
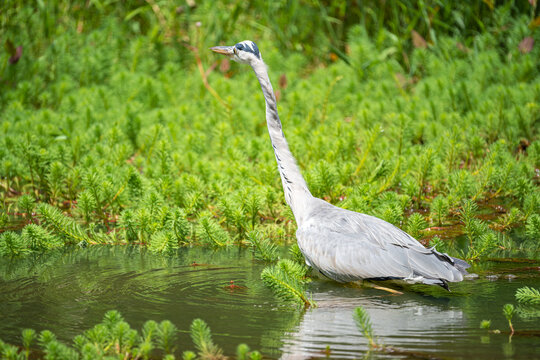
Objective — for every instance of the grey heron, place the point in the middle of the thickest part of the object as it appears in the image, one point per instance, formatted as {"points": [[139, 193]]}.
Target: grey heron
{"points": [[343, 245]]}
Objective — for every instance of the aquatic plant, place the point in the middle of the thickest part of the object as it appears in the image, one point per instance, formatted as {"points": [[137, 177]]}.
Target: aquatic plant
{"points": [[163, 242], [62, 225], [485, 324], [509, 311], [262, 247], [202, 338], [26, 204], [528, 295], [114, 338], [210, 233], [12, 244], [287, 280], [28, 338], [363, 322], [166, 336], [439, 209], [38, 239], [532, 227], [415, 224]]}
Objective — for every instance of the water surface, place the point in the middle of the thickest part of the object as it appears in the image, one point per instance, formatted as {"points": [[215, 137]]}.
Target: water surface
{"points": [[68, 292]]}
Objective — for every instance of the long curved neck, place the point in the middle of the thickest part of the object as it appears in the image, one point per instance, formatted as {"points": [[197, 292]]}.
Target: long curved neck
{"points": [[295, 188]]}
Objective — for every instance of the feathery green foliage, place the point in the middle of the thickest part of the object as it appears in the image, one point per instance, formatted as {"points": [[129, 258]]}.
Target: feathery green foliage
{"points": [[528, 295], [210, 233], [166, 336], [508, 312], [296, 254], [202, 338], [287, 280], [363, 322], [163, 242], [415, 224], [37, 238], [262, 247], [114, 338], [12, 244], [61, 224]]}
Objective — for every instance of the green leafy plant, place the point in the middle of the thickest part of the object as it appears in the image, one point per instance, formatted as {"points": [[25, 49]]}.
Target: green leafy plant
{"points": [[12, 244], [485, 324], [363, 322], [532, 227], [415, 225], [202, 338], [287, 280], [509, 311], [114, 338], [210, 233], [37, 238], [439, 209], [62, 225], [26, 205], [528, 295], [163, 242], [262, 247], [166, 335]]}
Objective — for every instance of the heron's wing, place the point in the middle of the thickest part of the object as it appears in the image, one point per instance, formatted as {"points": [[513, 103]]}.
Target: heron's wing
{"points": [[347, 246]]}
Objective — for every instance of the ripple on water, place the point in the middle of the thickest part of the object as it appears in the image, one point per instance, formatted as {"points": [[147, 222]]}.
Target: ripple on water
{"points": [[70, 292]]}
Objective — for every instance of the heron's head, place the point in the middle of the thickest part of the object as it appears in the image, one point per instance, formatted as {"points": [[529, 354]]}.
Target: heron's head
{"points": [[245, 52]]}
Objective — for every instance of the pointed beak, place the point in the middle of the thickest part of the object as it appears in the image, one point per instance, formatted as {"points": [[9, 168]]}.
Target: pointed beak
{"points": [[225, 50]]}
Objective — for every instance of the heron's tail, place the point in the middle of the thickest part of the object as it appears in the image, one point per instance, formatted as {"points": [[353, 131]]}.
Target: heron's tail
{"points": [[461, 265]]}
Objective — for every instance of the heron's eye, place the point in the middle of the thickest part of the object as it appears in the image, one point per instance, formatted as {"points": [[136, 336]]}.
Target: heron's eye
{"points": [[239, 46]]}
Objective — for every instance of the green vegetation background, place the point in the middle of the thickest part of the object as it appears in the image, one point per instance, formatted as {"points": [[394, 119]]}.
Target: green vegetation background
{"points": [[119, 126]]}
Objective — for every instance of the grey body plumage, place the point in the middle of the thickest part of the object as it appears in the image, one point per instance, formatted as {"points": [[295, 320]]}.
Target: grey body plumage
{"points": [[343, 245]]}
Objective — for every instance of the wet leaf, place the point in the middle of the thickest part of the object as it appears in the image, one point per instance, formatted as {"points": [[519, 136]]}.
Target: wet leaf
{"points": [[418, 40], [526, 45], [283, 81]]}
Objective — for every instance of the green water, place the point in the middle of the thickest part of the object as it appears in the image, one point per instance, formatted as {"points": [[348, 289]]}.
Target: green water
{"points": [[69, 292]]}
